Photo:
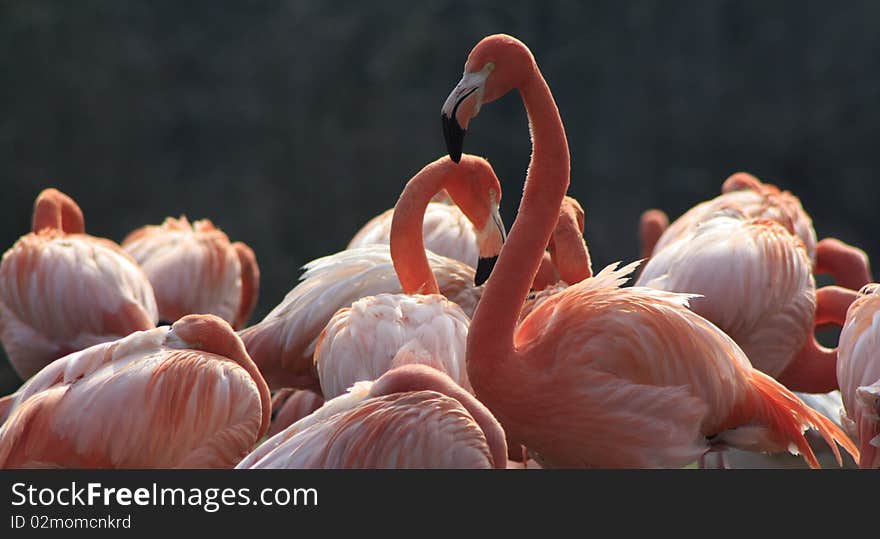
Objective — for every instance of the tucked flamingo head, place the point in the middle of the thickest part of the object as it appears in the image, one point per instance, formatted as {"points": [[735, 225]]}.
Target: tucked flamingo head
{"points": [[214, 335], [741, 181], [475, 189], [496, 65], [55, 210]]}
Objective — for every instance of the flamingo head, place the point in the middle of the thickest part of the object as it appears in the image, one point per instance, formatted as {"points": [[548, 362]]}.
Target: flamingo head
{"points": [[496, 65], [475, 189], [55, 210]]}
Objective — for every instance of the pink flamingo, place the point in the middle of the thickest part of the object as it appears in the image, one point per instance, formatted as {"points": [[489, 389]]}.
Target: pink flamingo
{"points": [[413, 416], [62, 290], [184, 396], [858, 370], [290, 405], [615, 377], [756, 283], [194, 269], [848, 265], [748, 254], [419, 325], [283, 343]]}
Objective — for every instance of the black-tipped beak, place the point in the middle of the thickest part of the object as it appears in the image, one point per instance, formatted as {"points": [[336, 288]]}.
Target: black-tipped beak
{"points": [[452, 130], [484, 269], [454, 136]]}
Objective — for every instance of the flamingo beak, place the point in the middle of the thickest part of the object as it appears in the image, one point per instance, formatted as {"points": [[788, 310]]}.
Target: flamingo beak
{"points": [[490, 239], [462, 105], [454, 136]]}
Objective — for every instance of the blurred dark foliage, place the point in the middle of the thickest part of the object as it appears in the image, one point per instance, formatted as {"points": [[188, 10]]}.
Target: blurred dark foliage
{"points": [[290, 124]]}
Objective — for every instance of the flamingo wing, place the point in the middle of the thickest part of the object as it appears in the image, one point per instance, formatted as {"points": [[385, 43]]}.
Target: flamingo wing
{"points": [[595, 344]]}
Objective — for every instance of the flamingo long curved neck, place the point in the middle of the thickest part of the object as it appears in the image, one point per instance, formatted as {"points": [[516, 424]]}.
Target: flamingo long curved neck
{"points": [[407, 240], [570, 253], [814, 370], [490, 338]]}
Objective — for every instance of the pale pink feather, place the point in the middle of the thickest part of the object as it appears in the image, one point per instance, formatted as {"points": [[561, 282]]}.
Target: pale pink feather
{"points": [[60, 293], [194, 269], [162, 398], [755, 281], [858, 373]]}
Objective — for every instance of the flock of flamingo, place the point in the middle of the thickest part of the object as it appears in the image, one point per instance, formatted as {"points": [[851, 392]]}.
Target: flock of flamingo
{"points": [[408, 349]]}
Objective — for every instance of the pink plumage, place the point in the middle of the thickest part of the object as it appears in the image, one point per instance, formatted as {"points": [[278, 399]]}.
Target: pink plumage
{"points": [[283, 343], [185, 396], [62, 290], [289, 406], [411, 417], [378, 333], [195, 269], [858, 372], [754, 281]]}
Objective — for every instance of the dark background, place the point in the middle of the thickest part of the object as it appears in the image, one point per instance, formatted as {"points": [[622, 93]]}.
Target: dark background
{"points": [[290, 124]]}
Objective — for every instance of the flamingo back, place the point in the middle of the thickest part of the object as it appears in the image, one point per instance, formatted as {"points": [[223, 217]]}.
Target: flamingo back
{"points": [[420, 429], [196, 409], [754, 201], [755, 280], [60, 293], [193, 268], [378, 333], [446, 231]]}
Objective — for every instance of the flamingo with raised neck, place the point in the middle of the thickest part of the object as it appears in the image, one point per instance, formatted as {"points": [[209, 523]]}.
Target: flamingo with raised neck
{"points": [[419, 325], [601, 375]]}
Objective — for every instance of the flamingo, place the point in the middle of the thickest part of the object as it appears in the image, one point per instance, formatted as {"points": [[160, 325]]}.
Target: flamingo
{"points": [[600, 375], [568, 254], [180, 396], [62, 290], [848, 265], [751, 254], [412, 416], [419, 325], [283, 343], [290, 405], [858, 370], [757, 285], [195, 269]]}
